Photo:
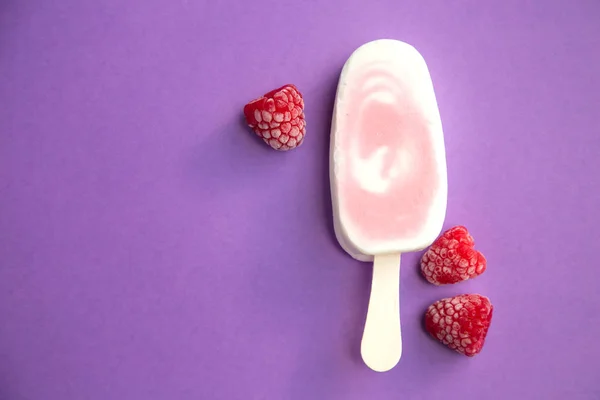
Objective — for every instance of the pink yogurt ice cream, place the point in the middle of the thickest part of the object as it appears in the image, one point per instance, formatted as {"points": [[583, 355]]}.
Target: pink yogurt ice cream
{"points": [[388, 162]]}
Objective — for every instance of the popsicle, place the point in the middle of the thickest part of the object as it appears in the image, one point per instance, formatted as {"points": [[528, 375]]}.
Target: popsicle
{"points": [[388, 177]]}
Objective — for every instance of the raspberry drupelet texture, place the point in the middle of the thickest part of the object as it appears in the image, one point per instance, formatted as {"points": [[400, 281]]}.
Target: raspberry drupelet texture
{"points": [[460, 322], [278, 118], [452, 258]]}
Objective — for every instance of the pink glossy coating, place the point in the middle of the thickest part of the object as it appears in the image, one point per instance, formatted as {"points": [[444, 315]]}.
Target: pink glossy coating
{"points": [[388, 175]]}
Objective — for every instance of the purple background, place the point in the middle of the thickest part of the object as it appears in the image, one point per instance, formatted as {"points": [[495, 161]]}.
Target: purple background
{"points": [[152, 248]]}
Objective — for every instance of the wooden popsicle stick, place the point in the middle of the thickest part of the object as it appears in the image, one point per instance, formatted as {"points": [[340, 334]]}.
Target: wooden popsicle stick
{"points": [[381, 345]]}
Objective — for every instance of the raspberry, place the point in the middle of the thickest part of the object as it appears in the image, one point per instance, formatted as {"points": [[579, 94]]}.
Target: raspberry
{"points": [[460, 322], [451, 258], [278, 118]]}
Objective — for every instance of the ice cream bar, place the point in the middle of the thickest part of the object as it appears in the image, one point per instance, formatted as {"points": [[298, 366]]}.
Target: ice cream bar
{"points": [[388, 176]]}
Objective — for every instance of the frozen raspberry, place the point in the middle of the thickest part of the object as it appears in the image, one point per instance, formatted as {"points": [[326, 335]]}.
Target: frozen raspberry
{"points": [[278, 118], [452, 258], [460, 322]]}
